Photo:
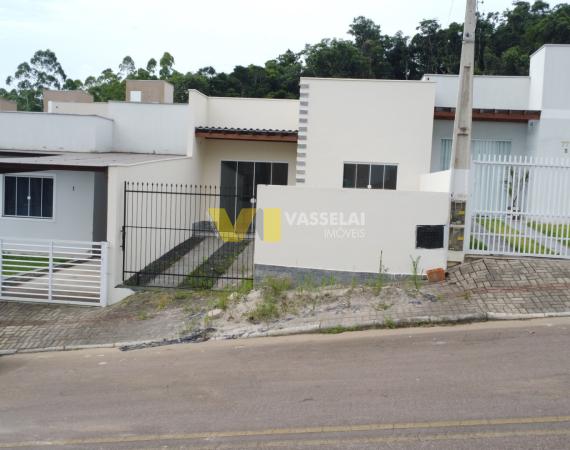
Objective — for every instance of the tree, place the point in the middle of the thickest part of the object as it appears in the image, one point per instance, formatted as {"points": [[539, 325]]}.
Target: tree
{"points": [[504, 42], [166, 64], [336, 58], [43, 71]]}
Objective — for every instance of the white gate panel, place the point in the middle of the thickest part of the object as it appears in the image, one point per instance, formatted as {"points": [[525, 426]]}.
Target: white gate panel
{"points": [[67, 272], [519, 205]]}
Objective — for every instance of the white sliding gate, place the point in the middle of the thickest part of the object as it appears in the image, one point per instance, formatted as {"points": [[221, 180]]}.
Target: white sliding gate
{"points": [[67, 272], [519, 206]]}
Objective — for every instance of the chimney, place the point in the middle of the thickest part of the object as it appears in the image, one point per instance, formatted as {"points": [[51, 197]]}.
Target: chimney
{"points": [[149, 91]]}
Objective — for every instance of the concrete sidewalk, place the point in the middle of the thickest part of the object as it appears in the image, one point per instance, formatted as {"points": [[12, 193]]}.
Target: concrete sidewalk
{"points": [[480, 290]]}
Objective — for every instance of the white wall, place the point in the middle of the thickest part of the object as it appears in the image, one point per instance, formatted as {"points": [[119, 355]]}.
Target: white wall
{"points": [[550, 92], [215, 151], [252, 113], [372, 121], [436, 181], [73, 210], [175, 171], [390, 220], [140, 127], [55, 132], [489, 92]]}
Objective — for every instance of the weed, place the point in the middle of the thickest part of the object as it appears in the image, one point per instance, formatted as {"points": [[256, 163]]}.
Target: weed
{"points": [[265, 311], [389, 323], [416, 275], [308, 283], [328, 281], [467, 295], [382, 306], [181, 295], [338, 329], [276, 285], [223, 301], [142, 315], [163, 301], [245, 287]]}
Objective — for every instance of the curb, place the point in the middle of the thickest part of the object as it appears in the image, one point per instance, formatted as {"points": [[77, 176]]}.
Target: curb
{"points": [[316, 327]]}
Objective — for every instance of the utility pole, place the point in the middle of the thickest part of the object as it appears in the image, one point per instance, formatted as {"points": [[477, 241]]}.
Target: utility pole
{"points": [[461, 147]]}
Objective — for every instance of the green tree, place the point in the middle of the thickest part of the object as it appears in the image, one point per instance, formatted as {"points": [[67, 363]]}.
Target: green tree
{"points": [[43, 71]]}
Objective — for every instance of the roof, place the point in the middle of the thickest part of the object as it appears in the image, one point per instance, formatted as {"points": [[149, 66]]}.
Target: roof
{"points": [[490, 115], [247, 134], [79, 161]]}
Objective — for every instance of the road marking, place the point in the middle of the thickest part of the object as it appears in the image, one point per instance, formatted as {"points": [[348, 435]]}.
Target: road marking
{"points": [[326, 430]]}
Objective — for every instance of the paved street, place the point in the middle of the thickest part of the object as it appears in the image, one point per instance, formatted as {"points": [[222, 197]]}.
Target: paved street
{"points": [[489, 385]]}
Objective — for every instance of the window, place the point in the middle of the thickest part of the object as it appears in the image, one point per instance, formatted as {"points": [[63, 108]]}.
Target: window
{"points": [[135, 96], [479, 147], [28, 197], [370, 176]]}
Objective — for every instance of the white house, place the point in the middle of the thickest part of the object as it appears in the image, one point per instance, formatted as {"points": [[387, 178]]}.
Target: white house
{"points": [[349, 180]]}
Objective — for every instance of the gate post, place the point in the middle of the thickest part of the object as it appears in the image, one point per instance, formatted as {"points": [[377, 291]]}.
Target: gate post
{"points": [[50, 271], [1, 266], [103, 280]]}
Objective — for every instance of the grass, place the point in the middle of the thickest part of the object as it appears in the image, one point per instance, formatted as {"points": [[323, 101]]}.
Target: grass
{"points": [[15, 264], [274, 301], [558, 231], [519, 244], [207, 274], [475, 244]]}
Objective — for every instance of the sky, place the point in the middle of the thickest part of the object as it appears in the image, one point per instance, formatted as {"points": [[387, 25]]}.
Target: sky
{"points": [[89, 36]]}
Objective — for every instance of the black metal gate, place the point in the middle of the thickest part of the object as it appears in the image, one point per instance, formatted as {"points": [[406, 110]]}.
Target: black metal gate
{"points": [[186, 236]]}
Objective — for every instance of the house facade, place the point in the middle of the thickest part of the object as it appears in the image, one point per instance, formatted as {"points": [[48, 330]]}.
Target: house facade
{"points": [[352, 179]]}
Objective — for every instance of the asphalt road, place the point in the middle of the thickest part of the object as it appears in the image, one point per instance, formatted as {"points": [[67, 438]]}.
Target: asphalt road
{"points": [[492, 385]]}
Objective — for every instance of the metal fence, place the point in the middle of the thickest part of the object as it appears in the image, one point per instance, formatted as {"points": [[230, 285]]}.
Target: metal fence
{"points": [[186, 236], [67, 272], [519, 206]]}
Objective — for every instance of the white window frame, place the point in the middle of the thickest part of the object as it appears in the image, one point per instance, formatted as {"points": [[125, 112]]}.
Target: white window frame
{"points": [[365, 163], [28, 175]]}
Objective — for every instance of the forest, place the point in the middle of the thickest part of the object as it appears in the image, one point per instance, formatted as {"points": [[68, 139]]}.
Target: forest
{"points": [[504, 43]]}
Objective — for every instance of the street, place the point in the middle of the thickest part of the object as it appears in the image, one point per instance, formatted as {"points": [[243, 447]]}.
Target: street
{"points": [[488, 385]]}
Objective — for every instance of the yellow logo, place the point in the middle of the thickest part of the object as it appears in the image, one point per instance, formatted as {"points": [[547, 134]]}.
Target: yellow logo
{"points": [[268, 227]]}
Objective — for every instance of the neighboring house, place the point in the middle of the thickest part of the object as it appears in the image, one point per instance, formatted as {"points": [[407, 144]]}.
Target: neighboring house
{"points": [[518, 115], [352, 175], [8, 105]]}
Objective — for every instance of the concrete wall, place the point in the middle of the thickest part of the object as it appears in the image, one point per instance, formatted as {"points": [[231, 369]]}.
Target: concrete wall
{"points": [[252, 113], [140, 127], [65, 96], [8, 105], [368, 121], [74, 200], [499, 131], [489, 92], [550, 92], [215, 151], [175, 171], [152, 91], [387, 223], [59, 132], [436, 181]]}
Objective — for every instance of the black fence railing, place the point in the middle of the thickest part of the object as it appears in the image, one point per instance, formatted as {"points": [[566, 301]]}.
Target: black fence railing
{"points": [[187, 236]]}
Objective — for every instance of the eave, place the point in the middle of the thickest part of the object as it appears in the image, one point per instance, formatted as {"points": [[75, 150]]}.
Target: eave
{"points": [[246, 134], [490, 115]]}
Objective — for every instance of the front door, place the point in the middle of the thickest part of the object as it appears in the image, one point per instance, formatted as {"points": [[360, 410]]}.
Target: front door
{"points": [[239, 181]]}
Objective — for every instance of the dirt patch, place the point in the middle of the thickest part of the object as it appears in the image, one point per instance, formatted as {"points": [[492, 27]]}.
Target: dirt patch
{"points": [[275, 307]]}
